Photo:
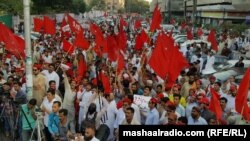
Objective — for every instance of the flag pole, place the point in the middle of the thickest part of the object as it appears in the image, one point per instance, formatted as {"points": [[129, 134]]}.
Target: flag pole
{"points": [[29, 79], [63, 59]]}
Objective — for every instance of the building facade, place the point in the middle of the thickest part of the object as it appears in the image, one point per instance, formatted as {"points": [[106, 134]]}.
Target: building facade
{"points": [[216, 12], [170, 8]]}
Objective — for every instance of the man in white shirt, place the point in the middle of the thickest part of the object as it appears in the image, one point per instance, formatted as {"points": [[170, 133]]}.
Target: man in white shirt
{"points": [[47, 58], [50, 74], [46, 107]]}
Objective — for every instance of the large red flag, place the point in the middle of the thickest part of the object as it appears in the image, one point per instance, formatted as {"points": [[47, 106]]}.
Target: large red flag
{"points": [[177, 62], [20, 46], [81, 42], [156, 19], [241, 105], [38, 24], [13, 44], [141, 39], [120, 63], [49, 26], [106, 83], [81, 69], [159, 58], [215, 104], [212, 39], [97, 32], [112, 48], [65, 28], [74, 25], [122, 40], [67, 47]]}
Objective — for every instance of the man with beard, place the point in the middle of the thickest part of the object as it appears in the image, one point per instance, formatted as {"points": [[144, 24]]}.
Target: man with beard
{"points": [[39, 85], [186, 86], [66, 127], [90, 133], [195, 118], [50, 74]]}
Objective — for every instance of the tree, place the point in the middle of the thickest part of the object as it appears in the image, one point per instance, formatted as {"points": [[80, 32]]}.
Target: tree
{"points": [[136, 6], [12, 6], [97, 5], [78, 6], [58, 6]]}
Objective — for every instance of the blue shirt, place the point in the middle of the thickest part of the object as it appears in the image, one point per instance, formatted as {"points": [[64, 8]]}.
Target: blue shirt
{"points": [[152, 117], [53, 124], [30, 121]]}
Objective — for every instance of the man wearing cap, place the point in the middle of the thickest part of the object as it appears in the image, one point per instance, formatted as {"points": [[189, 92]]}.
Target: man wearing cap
{"points": [[39, 85], [152, 117], [195, 118], [204, 112]]}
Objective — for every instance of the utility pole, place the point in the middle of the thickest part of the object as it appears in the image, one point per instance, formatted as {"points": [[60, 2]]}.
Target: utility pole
{"points": [[28, 69], [194, 11], [185, 10], [169, 10]]}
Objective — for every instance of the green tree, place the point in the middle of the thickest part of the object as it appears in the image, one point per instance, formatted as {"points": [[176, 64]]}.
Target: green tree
{"points": [[97, 5], [58, 6], [12, 7], [78, 6], [136, 6]]}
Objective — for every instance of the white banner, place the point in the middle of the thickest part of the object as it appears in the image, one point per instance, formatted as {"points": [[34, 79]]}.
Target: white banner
{"points": [[142, 102]]}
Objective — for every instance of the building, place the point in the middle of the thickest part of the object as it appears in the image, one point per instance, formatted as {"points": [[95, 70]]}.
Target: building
{"points": [[216, 12], [176, 7]]}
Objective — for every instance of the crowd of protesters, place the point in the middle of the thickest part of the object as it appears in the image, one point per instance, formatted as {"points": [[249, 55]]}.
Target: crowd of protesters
{"points": [[73, 107]]}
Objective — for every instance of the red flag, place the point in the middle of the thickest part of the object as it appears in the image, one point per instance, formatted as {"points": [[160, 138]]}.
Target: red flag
{"points": [[106, 83], [97, 32], [199, 32], [67, 47], [159, 58], [137, 24], [123, 23], [112, 48], [176, 64], [65, 28], [122, 40], [74, 25], [49, 26], [38, 24], [212, 39], [13, 44], [215, 105], [20, 46], [156, 19], [141, 39], [189, 34], [120, 63], [241, 105], [81, 69], [81, 42]]}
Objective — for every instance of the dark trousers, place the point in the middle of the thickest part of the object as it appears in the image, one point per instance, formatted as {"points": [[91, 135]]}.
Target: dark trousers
{"points": [[47, 134]]}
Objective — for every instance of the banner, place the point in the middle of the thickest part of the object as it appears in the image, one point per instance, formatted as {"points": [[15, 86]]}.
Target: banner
{"points": [[142, 102]]}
